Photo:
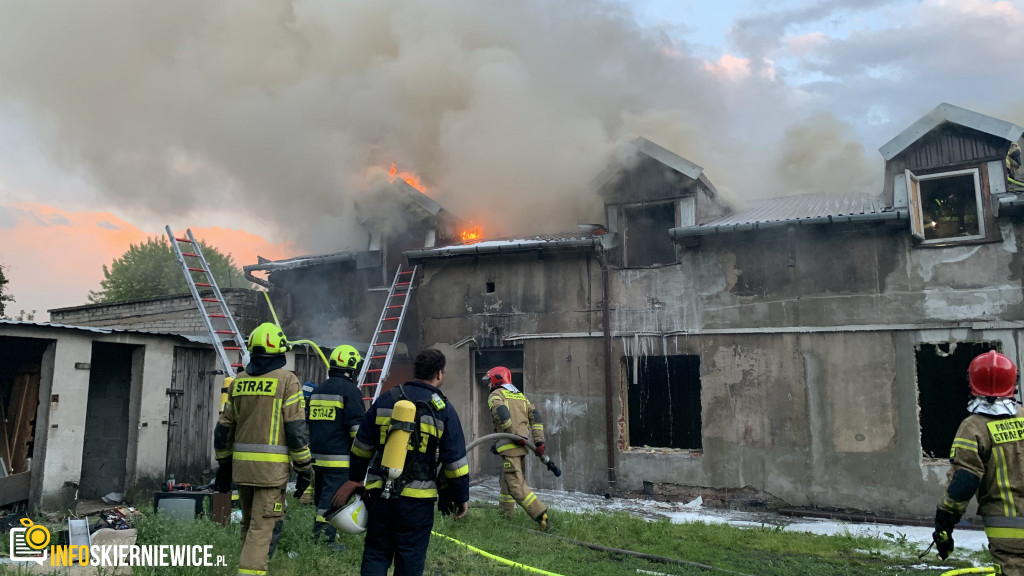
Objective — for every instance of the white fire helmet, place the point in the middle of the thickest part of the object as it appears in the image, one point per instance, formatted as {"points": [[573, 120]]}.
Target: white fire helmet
{"points": [[351, 518]]}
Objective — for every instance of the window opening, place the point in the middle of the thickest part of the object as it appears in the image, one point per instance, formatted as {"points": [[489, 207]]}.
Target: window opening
{"points": [[490, 287], [943, 391], [946, 206], [645, 236], [664, 402]]}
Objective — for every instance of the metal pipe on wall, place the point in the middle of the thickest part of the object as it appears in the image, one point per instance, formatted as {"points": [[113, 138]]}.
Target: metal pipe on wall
{"points": [[609, 393]]}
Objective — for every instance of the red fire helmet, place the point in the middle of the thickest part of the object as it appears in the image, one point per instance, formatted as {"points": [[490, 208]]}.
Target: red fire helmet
{"points": [[498, 376], [993, 375]]}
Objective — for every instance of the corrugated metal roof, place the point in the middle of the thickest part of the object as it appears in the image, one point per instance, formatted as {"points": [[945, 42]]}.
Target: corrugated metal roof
{"points": [[800, 207], [98, 330]]}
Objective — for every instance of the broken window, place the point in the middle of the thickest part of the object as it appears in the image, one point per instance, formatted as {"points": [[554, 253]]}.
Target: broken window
{"points": [[645, 239], [943, 391], [511, 358], [664, 402], [946, 206]]}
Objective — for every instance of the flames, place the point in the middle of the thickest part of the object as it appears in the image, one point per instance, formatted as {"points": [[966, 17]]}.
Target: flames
{"points": [[410, 178], [473, 233]]}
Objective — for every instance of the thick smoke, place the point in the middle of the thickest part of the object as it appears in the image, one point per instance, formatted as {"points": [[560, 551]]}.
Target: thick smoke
{"points": [[507, 110]]}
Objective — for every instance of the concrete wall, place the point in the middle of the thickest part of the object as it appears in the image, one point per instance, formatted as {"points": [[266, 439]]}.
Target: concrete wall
{"points": [[171, 314], [62, 413]]}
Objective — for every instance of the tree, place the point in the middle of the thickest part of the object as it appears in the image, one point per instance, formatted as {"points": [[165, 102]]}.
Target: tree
{"points": [[150, 270], [5, 296]]}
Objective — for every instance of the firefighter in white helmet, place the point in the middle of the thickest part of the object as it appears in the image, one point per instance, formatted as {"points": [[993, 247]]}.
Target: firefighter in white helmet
{"points": [[987, 458], [260, 436], [513, 413]]}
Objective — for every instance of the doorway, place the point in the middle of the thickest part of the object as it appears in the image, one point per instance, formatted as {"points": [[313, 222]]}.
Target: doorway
{"points": [[105, 449]]}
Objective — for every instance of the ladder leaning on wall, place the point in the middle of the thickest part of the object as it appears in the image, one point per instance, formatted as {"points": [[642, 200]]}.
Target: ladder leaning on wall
{"points": [[222, 328], [377, 360]]}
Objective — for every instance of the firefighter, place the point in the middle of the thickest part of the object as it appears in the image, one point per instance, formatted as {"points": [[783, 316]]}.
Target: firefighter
{"points": [[303, 491], [513, 413], [401, 508], [987, 457], [261, 434], [335, 410]]}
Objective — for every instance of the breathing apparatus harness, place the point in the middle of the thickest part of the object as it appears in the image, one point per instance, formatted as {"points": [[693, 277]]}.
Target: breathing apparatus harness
{"points": [[406, 431]]}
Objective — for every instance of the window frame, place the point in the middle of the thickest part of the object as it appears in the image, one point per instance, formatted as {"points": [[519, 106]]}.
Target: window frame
{"points": [[917, 212]]}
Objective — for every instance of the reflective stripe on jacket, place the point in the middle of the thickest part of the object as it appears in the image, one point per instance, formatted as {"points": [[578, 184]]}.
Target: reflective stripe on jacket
{"points": [[334, 412], [263, 428], [513, 413], [992, 449], [441, 435]]}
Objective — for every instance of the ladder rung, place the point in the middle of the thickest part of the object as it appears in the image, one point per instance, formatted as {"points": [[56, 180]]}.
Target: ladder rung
{"points": [[406, 272], [402, 295], [403, 283], [236, 365], [383, 344], [375, 357], [224, 331], [196, 269], [393, 318], [387, 331], [209, 300], [190, 254], [217, 316], [185, 240], [232, 347], [375, 370], [204, 284], [390, 307], [371, 384]]}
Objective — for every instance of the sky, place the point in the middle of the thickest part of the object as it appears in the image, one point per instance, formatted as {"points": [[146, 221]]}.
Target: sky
{"points": [[259, 124]]}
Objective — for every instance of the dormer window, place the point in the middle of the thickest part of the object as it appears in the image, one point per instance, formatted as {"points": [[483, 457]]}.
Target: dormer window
{"points": [[946, 207]]}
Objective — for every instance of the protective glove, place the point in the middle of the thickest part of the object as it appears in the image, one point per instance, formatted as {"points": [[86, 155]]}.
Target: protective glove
{"points": [[943, 543], [345, 492], [540, 448], [521, 441], [222, 483], [446, 505], [302, 482]]}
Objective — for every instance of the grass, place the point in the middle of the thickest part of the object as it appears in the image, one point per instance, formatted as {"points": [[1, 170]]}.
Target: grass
{"points": [[764, 551]]}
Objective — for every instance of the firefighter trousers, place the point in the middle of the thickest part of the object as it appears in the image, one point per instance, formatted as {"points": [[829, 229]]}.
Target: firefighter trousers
{"points": [[262, 519], [326, 482], [515, 491], [397, 530], [1009, 554]]}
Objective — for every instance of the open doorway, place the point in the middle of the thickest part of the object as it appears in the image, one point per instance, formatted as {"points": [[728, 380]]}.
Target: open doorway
{"points": [[485, 359], [943, 391], [21, 370], [105, 450]]}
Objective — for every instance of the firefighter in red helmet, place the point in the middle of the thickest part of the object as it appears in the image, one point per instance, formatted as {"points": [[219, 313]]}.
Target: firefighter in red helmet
{"points": [[987, 458], [515, 414]]}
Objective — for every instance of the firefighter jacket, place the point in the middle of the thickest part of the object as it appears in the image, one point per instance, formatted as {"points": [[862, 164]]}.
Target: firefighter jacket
{"points": [[334, 412], [437, 442], [262, 428], [513, 413], [987, 457]]}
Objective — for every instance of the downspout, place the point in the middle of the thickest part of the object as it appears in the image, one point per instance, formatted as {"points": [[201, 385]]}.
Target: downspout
{"points": [[609, 392]]}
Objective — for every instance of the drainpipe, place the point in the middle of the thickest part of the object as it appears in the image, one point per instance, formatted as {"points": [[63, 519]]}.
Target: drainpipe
{"points": [[609, 392]]}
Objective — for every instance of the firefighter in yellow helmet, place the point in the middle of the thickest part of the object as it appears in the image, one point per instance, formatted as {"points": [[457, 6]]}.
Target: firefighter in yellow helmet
{"points": [[335, 410], [515, 414], [261, 435]]}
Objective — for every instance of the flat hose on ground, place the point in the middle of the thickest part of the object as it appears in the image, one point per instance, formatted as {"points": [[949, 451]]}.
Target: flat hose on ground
{"points": [[516, 438]]}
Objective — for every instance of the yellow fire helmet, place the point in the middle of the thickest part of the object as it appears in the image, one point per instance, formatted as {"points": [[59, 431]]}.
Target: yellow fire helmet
{"points": [[345, 356], [268, 339]]}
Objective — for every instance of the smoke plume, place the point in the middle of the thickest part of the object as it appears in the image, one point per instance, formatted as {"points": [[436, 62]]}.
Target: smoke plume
{"points": [[281, 109]]}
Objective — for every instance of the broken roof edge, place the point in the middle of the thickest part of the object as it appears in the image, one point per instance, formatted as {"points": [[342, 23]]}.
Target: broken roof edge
{"points": [[302, 261], [706, 230], [655, 152], [943, 113], [500, 247], [194, 338]]}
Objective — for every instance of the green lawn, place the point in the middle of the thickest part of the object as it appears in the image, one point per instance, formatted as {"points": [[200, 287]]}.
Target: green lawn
{"points": [[762, 551]]}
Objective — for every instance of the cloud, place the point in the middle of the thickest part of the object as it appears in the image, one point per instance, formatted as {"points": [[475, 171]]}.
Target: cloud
{"points": [[56, 266]]}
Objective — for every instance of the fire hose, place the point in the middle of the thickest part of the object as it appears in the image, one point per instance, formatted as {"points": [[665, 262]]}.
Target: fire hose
{"points": [[516, 438]]}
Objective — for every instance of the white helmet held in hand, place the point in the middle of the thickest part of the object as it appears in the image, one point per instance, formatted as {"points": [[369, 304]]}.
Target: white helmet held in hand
{"points": [[350, 518]]}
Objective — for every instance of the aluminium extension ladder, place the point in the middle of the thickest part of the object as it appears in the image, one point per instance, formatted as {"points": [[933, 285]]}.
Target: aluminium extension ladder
{"points": [[382, 346], [226, 324]]}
